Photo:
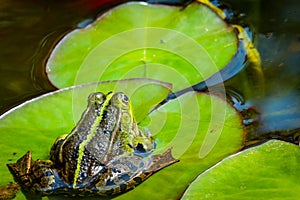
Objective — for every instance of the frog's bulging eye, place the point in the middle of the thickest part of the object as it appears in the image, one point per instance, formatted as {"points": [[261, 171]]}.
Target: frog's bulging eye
{"points": [[96, 97], [124, 99], [99, 96]]}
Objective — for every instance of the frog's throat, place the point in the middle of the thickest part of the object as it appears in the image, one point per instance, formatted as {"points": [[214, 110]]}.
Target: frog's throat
{"points": [[93, 131]]}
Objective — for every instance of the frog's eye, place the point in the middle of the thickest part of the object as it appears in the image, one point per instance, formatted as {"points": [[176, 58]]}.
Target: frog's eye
{"points": [[96, 97], [124, 99], [99, 96]]}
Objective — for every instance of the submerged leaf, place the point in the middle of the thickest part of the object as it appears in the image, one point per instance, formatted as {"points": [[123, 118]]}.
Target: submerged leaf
{"points": [[268, 171], [168, 43]]}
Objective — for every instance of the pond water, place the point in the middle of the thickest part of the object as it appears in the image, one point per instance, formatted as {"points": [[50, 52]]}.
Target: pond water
{"points": [[29, 30], [277, 38]]}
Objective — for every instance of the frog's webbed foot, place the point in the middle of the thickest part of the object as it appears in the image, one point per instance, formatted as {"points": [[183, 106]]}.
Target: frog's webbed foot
{"points": [[33, 176], [160, 161], [21, 169], [9, 191]]}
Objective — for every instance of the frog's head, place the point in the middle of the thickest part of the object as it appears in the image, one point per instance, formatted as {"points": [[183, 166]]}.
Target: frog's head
{"points": [[136, 140], [121, 101]]}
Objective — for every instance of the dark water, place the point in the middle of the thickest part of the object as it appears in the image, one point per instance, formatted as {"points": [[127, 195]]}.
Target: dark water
{"points": [[276, 27], [29, 29]]}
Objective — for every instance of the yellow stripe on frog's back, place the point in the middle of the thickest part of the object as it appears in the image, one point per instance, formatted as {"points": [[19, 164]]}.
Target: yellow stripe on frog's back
{"points": [[93, 131]]}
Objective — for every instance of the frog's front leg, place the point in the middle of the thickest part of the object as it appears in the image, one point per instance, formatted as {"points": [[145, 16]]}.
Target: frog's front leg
{"points": [[126, 172], [38, 177], [119, 174]]}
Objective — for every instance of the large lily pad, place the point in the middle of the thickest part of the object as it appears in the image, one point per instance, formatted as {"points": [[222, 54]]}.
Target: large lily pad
{"points": [[201, 129], [168, 43], [268, 171], [35, 124]]}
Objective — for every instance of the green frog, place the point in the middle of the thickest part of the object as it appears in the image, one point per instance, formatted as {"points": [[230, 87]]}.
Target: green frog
{"points": [[105, 154]]}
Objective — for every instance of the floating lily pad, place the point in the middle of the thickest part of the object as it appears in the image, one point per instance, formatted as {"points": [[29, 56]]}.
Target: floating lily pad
{"points": [[201, 129], [35, 124], [134, 40], [268, 171]]}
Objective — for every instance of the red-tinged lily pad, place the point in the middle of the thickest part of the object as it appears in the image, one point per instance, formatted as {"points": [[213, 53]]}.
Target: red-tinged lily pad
{"points": [[268, 171], [34, 125], [137, 40]]}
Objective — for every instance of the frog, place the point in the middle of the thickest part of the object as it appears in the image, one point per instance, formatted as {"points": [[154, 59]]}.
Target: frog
{"points": [[106, 154]]}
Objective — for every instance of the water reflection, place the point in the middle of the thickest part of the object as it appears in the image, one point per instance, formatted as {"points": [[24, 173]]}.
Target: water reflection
{"points": [[28, 30], [281, 112], [277, 40]]}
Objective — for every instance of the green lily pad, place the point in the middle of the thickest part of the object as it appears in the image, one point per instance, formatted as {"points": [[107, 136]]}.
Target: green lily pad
{"points": [[195, 125], [268, 171], [201, 130], [137, 40], [34, 125]]}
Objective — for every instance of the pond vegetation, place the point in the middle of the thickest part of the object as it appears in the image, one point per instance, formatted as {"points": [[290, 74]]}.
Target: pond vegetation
{"points": [[263, 98]]}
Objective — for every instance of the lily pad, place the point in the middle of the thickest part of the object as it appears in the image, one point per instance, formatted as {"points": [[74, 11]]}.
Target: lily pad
{"points": [[34, 125], [195, 125], [134, 40], [201, 129], [268, 171]]}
